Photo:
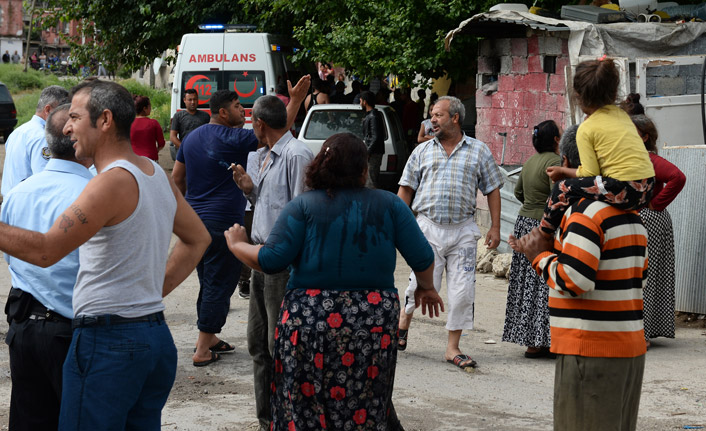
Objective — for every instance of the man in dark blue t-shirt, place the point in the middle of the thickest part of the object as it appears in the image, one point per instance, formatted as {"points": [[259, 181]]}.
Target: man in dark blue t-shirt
{"points": [[202, 173]]}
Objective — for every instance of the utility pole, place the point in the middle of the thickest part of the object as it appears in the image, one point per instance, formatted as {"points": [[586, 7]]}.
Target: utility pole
{"points": [[29, 33]]}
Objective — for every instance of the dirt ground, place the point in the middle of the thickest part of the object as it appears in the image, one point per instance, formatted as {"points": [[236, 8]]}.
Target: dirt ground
{"points": [[506, 392]]}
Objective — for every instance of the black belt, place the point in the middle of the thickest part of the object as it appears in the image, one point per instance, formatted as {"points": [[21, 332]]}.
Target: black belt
{"points": [[48, 315], [114, 319]]}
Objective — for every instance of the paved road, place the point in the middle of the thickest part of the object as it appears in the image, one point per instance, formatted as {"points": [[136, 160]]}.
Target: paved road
{"points": [[507, 391]]}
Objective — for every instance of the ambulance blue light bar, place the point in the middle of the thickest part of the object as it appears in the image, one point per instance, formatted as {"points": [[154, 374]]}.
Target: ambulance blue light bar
{"points": [[212, 27], [227, 27]]}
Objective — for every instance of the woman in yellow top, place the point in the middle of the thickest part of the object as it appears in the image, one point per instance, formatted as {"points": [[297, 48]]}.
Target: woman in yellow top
{"points": [[615, 166]]}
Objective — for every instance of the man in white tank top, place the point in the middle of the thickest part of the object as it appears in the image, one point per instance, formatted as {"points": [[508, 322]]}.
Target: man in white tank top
{"points": [[122, 359]]}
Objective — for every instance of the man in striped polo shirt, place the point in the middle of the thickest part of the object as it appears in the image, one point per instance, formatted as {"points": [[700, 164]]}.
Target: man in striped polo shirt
{"points": [[596, 269]]}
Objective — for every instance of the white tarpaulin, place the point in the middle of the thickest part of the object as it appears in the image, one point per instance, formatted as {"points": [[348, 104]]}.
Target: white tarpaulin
{"points": [[629, 40]]}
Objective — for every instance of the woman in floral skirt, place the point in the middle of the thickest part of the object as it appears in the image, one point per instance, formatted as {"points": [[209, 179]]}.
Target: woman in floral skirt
{"points": [[336, 338]]}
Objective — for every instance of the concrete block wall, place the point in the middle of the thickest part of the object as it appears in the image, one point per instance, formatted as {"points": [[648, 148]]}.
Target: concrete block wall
{"points": [[526, 95], [673, 80]]}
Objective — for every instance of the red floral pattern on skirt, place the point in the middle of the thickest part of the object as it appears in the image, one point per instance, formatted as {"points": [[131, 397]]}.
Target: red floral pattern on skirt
{"points": [[334, 360]]}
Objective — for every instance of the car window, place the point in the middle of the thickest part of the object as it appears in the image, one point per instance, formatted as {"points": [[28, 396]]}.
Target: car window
{"points": [[384, 124], [4, 95], [325, 123], [394, 123]]}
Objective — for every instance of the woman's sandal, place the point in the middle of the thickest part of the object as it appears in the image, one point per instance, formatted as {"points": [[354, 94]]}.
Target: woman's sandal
{"points": [[402, 339]]}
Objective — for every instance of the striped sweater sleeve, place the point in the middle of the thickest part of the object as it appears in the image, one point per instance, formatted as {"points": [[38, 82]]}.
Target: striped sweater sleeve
{"points": [[573, 268]]}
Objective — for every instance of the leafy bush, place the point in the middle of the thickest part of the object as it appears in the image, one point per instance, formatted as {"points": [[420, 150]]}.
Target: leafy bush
{"points": [[17, 80]]}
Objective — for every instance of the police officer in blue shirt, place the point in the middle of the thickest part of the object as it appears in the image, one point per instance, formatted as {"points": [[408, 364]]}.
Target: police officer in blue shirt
{"points": [[26, 150], [39, 304]]}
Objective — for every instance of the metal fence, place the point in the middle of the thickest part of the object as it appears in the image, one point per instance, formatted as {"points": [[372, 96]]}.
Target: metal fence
{"points": [[688, 213]]}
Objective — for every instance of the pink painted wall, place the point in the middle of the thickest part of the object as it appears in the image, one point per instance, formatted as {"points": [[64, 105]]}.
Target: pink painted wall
{"points": [[526, 95]]}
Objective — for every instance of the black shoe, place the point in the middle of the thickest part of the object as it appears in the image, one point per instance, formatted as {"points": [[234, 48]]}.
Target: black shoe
{"points": [[244, 289]]}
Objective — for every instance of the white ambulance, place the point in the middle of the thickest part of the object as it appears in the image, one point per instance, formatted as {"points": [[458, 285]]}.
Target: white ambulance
{"points": [[251, 64]]}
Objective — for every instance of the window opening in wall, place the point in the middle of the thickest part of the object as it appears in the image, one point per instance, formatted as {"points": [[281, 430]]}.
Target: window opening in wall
{"points": [[549, 64], [487, 78]]}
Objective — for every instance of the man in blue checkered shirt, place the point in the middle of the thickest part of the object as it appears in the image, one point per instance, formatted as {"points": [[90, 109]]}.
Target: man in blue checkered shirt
{"points": [[446, 174]]}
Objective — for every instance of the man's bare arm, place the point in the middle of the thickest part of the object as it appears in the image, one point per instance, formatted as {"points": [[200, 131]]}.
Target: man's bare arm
{"points": [[108, 199], [406, 193], [179, 176], [189, 248], [174, 138], [492, 239], [297, 94]]}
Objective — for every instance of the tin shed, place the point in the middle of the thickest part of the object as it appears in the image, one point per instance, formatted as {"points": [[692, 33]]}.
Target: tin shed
{"points": [[525, 64]]}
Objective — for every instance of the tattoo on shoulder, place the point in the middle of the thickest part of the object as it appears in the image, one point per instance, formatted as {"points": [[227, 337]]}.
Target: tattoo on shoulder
{"points": [[65, 223], [78, 213]]}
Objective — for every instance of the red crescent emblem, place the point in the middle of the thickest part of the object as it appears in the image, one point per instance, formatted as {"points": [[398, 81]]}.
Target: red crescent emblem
{"points": [[245, 95], [190, 84], [193, 79]]}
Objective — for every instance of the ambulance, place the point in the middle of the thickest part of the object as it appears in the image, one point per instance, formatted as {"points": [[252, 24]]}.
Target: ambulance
{"points": [[251, 64]]}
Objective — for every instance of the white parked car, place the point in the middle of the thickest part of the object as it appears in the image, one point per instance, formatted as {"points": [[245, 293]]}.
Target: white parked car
{"points": [[322, 121]]}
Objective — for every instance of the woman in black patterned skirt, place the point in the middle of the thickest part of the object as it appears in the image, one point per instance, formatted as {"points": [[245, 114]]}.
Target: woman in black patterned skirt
{"points": [[527, 312], [658, 294], [336, 337]]}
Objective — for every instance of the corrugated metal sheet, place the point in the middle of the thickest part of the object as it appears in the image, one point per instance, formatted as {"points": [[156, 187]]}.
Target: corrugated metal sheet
{"points": [[688, 213], [496, 24], [509, 208]]}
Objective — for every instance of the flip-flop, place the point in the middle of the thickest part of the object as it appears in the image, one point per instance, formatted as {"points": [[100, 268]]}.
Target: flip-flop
{"points": [[402, 339], [459, 360], [215, 357], [221, 346]]}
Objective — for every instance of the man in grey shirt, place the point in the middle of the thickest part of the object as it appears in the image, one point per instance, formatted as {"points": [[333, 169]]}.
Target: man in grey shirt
{"points": [[186, 121], [276, 179]]}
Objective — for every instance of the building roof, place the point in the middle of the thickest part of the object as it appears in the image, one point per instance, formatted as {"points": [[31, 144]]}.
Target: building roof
{"points": [[488, 24], [627, 39]]}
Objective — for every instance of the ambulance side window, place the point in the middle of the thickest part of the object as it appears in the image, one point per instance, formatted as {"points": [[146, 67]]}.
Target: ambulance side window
{"points": [[205, 84], [278, 66]]}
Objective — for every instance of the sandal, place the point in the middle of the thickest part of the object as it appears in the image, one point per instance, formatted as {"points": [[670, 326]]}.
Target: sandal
{"points": [[221, 346], [461, 361], [402, 339]]}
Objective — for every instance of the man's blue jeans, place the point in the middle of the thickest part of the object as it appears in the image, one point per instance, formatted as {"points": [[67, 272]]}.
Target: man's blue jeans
{"points": [[118, 377], [219, 272]]}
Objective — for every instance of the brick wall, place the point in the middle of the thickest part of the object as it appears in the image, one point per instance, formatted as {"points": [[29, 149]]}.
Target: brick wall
{"points": [[11, 18], [526, 94], [60, 35]]}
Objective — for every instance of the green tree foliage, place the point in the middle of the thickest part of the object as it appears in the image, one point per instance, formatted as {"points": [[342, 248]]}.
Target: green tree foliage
{"points": [[376, 38], [367, 37], [131, 33]]}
